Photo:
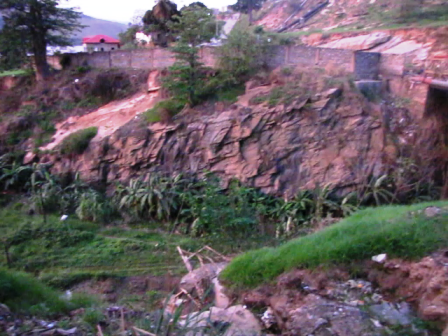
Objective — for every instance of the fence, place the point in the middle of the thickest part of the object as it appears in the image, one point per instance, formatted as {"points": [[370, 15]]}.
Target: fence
{"points": [[364, 65]]}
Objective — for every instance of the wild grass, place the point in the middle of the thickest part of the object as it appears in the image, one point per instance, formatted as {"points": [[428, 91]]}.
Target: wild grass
{"points": [[163, 111], [399, 231], [66, 253], [77, 143], [26, 295]]}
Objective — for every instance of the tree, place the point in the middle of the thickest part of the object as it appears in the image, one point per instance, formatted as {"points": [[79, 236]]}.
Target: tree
{"points": [[127, 38], [13, 48], [187, 74], [243, 53], [158, 20], [44, 23], [247, 7]]}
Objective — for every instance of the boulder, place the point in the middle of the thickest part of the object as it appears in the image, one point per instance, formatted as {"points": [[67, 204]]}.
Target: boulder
{"points": [[393, 315], [236, 320], [363, 42], [321, 317]]}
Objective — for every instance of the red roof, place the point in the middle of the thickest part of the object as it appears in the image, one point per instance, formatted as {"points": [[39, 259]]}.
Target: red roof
{"points": [[100, 39]]}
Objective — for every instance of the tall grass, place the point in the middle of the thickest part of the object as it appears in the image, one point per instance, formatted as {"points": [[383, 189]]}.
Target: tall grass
{"points": [[400, 231], [24, 294], [77, 143]]}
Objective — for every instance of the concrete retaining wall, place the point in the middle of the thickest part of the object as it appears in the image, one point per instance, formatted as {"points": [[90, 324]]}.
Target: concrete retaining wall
{"points": [[363, 64]]}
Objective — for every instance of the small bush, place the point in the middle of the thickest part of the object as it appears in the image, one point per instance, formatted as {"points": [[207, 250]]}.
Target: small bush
{"points": [[77, 143], [163, 111]]}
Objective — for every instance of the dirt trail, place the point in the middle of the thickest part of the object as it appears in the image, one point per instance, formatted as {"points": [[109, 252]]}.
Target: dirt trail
{"points": [[110, 117]]}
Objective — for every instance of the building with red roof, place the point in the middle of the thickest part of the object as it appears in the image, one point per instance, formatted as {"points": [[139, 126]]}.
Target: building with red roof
{"points": [[100, 43]]}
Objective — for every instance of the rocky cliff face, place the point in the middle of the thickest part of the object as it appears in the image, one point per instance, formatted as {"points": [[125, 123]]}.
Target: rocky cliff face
{"points": [[334, 137]]}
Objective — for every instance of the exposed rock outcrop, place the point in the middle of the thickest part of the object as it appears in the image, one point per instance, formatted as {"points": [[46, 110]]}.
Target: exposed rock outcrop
{"points": [[363, 42], [318, 139]]}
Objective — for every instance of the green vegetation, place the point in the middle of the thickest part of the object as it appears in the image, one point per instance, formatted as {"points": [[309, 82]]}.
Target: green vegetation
{"points": [[244, 53], [187, 75], [24, 294], [43, 23], [66, 253], [163, 111], [77, 142], [399, 231], [17, 72]]}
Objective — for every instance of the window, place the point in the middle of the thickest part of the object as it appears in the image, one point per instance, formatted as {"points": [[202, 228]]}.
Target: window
{"points": [[102, 41], [102, 49], [113, 49]]}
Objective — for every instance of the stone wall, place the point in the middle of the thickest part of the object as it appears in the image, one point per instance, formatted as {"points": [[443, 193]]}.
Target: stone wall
{"points": [[363, 64]]}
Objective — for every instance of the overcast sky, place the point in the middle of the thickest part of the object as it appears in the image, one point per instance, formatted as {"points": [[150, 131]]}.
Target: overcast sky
{"points": [[125, 10]]}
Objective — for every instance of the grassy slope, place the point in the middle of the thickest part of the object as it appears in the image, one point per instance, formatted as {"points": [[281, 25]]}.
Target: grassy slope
{"points": [[24, 294], [400, 231], [68, 252]]}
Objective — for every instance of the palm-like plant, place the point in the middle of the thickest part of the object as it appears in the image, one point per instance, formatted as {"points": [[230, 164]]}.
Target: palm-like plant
{"points": [[14, 175], [156, 197], [377, 191]]}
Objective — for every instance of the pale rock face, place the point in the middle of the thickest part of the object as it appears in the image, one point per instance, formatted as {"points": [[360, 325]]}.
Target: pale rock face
{"points": [[363, 42]]}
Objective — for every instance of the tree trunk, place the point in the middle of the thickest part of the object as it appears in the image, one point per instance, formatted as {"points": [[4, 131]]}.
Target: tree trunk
{"points": [[250, 10], [38, 34], [8, 258], [40, 60]]}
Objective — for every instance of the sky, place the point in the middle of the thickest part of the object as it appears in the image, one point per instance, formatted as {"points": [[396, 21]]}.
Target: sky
{"points": [[124, 10]]}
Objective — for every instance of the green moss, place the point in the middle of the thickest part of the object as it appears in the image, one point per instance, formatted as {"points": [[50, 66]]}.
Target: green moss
{"points": [[77, 143], [400, 231]]}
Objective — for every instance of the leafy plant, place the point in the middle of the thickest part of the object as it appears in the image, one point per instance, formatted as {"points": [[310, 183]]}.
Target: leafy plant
{"points": [[164, 110], [242, 54], [94, 207], [77, 142]]}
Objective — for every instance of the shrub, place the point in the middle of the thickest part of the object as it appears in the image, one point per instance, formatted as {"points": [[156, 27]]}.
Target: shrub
{"points": [[243, 53], [163, 111], [77, 143], [93, 207]]}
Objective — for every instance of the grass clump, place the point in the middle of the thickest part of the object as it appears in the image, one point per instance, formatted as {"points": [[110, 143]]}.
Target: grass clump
{"points": [[163, 111], [25, 294], [399, 231], [77, 143]]}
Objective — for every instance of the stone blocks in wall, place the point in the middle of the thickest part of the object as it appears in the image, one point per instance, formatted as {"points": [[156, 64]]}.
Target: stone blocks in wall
{"points": [[365, 65]]}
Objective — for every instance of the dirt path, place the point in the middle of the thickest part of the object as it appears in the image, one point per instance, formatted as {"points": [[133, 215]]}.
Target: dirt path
{"points": [[110, 117]]}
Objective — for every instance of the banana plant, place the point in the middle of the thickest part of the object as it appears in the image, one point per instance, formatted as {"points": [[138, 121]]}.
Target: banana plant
{"points": [[375, 190]]}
